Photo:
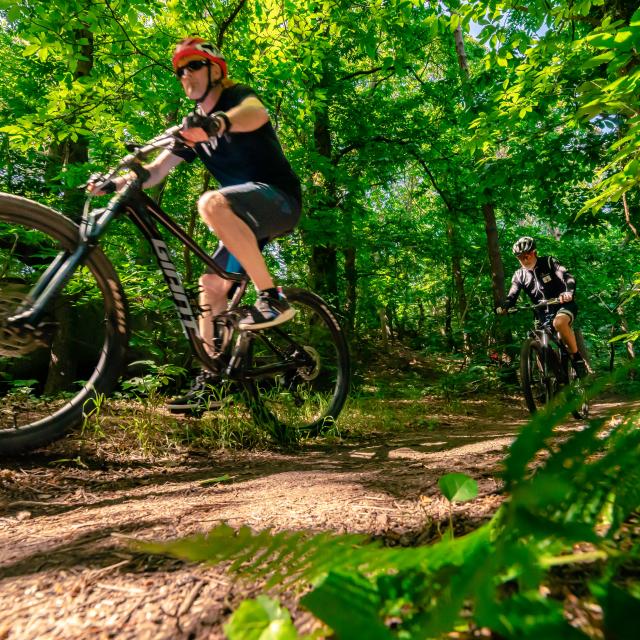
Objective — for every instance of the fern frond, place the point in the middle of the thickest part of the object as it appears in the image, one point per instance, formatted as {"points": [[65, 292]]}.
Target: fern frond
{"points": [[287, 558]]}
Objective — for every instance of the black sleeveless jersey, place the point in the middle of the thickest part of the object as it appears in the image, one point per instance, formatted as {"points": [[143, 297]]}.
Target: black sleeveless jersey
{"points": [[239, 157]]}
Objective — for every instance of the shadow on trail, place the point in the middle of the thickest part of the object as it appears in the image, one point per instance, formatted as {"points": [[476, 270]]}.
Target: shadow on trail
{"points": [[87, 551]]}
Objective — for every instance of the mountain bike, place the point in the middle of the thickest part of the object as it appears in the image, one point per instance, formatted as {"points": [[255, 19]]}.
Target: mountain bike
{"points": [[546, 366], [65, 324]]}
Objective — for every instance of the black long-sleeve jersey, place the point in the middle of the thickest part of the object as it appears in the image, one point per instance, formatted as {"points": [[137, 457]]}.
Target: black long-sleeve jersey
{"points": [[547, 280]]}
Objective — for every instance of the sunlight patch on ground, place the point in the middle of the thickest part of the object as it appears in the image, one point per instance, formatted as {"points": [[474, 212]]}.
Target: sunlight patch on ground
{"points": [[494, 444]]}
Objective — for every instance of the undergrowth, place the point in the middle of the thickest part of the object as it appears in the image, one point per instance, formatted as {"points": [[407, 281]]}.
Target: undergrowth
{"points": [[571, 502]]}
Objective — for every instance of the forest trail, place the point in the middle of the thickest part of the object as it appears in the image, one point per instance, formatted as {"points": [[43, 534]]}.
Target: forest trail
{"points": [[66, 570]]}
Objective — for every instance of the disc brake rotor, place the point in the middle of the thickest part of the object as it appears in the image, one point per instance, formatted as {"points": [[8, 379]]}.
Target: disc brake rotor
{"points": [[18, 340], [310, 372]]}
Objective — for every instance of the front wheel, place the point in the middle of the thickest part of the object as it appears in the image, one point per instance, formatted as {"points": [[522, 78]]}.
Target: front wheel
{"points": [[539, 381], [50, 375], [306, 369], [577, 392]]}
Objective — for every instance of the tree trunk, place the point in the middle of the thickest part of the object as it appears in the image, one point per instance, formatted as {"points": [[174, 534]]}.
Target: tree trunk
{"points": [[385, 330], [351, 293], [62, 362], [458, 281], [493, 246], [624, 325], [324, 258], [324, 273], [448, 320], [350, 271], [488, 208]]}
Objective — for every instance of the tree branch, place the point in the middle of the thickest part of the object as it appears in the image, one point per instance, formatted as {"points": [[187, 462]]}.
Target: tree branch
{"points": [[627, 215], [227, 23]]}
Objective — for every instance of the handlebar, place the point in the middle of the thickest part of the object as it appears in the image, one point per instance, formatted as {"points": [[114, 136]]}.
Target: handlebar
{"points": [[542, 303], [134, 159]]}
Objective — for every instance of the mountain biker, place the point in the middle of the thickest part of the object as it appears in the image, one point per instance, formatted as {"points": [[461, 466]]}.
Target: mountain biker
{"points": [[543, 278], [259, 196]]}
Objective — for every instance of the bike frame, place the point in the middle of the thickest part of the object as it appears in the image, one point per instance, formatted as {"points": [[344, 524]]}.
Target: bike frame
{"points": [[145, 214]]}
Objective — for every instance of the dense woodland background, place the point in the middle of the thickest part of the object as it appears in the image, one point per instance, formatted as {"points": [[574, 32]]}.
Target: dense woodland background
{"points": [[428, 137]]}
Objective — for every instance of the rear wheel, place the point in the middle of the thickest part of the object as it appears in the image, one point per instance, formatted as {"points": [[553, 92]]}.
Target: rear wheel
{"points": [[539, 383], [306, 369], [51, 374]]}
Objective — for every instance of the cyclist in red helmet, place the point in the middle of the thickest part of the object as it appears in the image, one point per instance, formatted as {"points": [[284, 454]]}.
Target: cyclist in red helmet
{"points": [[259, 197], [544, 278]]}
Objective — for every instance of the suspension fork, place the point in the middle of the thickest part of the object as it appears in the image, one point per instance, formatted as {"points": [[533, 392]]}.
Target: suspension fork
{"points": [[64, 265]]}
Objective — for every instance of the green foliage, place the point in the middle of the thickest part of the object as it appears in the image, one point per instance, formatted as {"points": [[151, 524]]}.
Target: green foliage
{"points": [[398, 148], [581, 492], [149, 384], [458, 487], [261, 619]]}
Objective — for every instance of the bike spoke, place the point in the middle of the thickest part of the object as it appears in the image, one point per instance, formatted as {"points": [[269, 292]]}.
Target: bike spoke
{"points": [[309, 370]]}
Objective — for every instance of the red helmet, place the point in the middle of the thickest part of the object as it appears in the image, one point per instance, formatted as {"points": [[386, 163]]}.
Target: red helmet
{"points": [[202, 48]]}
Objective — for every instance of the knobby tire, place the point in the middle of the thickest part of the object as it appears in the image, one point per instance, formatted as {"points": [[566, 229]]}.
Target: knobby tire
{"points": [[293, 403], [23, 429], [535, 387]]}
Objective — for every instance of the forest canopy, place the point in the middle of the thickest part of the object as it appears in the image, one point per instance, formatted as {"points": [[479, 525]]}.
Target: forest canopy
{"points": [[428, 137]]}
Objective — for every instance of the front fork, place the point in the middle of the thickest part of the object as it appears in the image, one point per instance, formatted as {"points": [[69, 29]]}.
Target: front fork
{"points": [[64, 265], [549, 362]]}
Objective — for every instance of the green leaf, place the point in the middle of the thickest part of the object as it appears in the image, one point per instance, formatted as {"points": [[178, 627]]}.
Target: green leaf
{"points": [[30, 50], [458, 487], [619, 608], [350, 605], [601, 40], [596, 61], [260, 619]]}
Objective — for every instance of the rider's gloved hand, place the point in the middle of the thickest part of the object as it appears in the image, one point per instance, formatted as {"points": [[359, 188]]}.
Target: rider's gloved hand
{"points": [[565, 296], [97, 185], [211, 125]]}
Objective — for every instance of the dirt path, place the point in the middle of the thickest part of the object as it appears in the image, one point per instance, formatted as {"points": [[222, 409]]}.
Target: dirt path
{"points": [[66, 572]]}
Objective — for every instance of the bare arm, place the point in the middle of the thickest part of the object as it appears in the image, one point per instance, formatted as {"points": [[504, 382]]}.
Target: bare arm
{"points": [[249, 115], [158, 169]]}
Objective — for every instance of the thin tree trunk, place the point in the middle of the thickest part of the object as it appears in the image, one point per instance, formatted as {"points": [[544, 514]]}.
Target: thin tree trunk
{"points": [[62, 361], [448, 319], [324, 258], [350, 271], [495, 260], [488, 208], [458, 281], [385, 330], [351, 293]]}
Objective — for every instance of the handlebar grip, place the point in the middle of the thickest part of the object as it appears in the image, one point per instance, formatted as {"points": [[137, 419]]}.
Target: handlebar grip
{"points": [[102, 182], [108, 187]]}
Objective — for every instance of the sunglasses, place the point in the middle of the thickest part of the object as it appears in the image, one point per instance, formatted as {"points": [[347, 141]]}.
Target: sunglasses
{"points": [[193, 65], [526, 254]]}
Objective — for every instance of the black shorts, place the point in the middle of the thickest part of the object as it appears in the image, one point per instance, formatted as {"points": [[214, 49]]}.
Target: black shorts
{"points": [[268, 212], [567, 308]]}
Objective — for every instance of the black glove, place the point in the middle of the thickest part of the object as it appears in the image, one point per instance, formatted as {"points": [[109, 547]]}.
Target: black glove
{"points": [[210, 124], [97, 179]]}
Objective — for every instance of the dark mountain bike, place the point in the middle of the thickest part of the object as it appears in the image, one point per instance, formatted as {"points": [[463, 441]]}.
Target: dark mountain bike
{"points": [[546, 366], [64, 323]]}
